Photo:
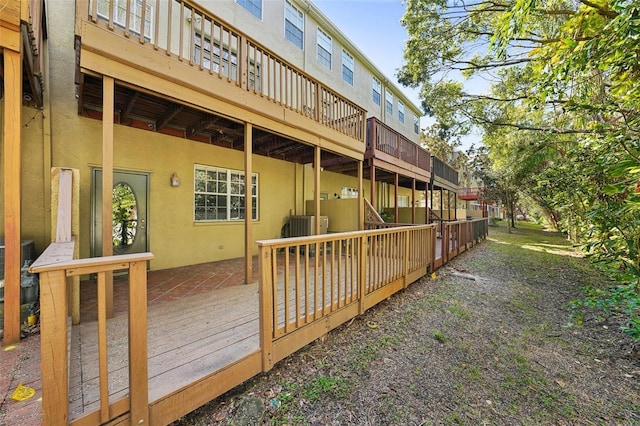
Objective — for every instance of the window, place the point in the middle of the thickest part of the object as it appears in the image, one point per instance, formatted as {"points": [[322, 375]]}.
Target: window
{"points": [[403, 201], [219, 194], [255, 79], [416, 125], [325, 47], [347, 67], [389, 103], [135, 15], [377, 89], [213, 64], [253, 6], [293, 24], [347, 192], [400, 112]]}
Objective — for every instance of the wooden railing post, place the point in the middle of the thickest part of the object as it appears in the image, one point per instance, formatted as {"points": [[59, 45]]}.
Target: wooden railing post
{"points": [[53, 348], [407, 237], [266, 306], [362, 273], [138, 359]]}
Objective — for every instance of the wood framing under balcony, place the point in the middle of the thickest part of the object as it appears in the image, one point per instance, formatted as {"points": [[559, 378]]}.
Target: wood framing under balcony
{"points": [[390, 154], [208, 78]]}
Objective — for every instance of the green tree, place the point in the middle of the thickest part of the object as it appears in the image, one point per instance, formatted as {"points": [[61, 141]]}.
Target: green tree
{"points": [[561, 118]]}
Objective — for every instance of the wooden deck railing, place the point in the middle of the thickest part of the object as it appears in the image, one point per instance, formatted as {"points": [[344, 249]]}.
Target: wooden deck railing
{"points": [[323, 281], [308, 286], [55, 266], [383, 139], [190, 34], [462, 235], [444, 171]]}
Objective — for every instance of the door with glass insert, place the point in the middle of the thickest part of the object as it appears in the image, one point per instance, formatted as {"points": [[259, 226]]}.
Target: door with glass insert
{"points": [[129, 214]]}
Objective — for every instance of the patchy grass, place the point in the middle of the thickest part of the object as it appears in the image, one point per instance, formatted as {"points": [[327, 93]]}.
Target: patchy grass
{"points": [[454, 351]]}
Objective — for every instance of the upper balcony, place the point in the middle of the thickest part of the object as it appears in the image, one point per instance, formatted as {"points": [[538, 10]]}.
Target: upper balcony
{"points": [[469, 194], [391, 151], [444, 176], [183, 51]]}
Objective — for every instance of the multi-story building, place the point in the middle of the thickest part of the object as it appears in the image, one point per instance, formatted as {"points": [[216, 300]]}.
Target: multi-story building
{"points": [[168, 106], [192, 129]]}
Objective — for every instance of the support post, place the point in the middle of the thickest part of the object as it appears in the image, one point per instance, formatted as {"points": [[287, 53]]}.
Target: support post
{"points": [[248, 203], [12, 192], [107, 183], [360, 197], [395, 196], [316, 185]]}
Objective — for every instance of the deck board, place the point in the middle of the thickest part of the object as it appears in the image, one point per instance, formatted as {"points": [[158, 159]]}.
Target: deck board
{"points": [[188, 339]]}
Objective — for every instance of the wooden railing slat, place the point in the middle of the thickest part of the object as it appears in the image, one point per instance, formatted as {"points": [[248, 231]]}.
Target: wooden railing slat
{"points": [[102, 348]]}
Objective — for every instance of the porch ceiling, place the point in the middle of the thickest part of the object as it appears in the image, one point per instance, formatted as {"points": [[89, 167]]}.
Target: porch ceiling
{"points": [[155, 113]]}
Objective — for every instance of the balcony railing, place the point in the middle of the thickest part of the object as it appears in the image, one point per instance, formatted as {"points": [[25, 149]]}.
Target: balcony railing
{"points": [[382, 138], [444, 171], [192, 35], [469, 193]]}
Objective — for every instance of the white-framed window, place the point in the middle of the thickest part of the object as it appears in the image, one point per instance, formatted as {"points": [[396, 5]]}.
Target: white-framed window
{"points": [[348, 192], [348, 65], [135, 15], [253, 6], [325, 47], [293, 24], [400, 112], [219, 194], [211, 57], [255, 77], [376, 88], [416, 124], [403, 201], [388, 97]]}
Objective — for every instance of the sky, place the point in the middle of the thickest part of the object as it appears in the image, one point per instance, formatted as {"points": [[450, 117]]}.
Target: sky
{"points": [[374, 26]]}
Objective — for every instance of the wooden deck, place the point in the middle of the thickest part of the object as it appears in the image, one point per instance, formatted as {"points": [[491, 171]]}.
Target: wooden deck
{"points": [[188, 339], [205, 343]]}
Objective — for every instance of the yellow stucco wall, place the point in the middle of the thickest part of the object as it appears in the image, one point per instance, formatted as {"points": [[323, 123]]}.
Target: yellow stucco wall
{"points": [[34, 211], [174, 237]]}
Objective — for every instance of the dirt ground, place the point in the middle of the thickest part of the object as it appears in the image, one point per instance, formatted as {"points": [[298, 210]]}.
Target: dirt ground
{"points": [[487, 341]]}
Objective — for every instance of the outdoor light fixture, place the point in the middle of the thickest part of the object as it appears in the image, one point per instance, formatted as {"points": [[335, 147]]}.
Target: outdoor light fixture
{"points": [[175, 180]]}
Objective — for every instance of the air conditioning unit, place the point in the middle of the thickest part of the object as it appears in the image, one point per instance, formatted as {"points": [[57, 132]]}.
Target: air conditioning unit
{"points": [[303, 226], [27, 253]]}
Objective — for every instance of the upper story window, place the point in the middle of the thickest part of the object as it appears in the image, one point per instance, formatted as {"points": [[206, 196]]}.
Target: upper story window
{"points": [[253, 6], [325, 47], [347, 67], [135, 15], [219, 194], [416, 124], [400, 112], [389, 103], [377, 90], [214, 58], [293, 24]]}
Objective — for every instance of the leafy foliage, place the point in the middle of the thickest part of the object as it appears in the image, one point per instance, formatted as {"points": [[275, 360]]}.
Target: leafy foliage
{"points": [[560, 117]]}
